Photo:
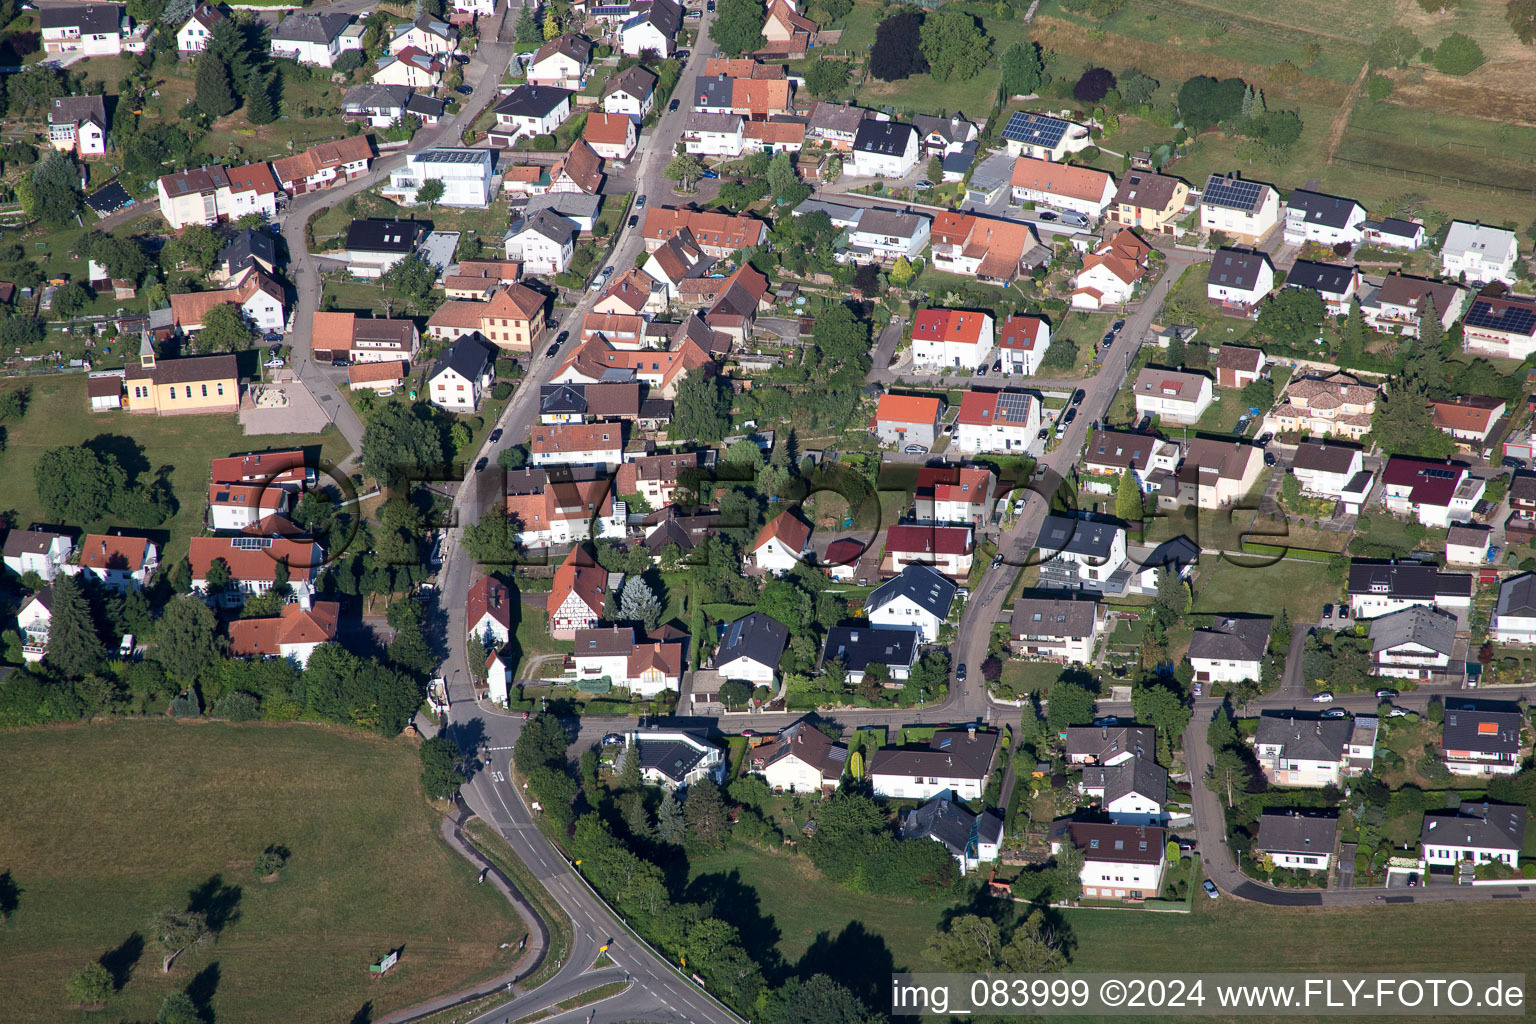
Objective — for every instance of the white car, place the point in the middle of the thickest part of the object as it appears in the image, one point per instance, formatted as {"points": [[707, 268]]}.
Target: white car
{"points": [[1323, 698], [915, 449]]}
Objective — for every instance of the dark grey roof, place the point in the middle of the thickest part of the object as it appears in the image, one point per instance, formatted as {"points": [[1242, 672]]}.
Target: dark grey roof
{"points": [[1320, 277], [713, 91], [532, 101], [91, 19], [1396, 227], [923, 585], [1054, 617], [426, 23], [1120, 448], [1477, 825], [758, 637], [1234, 639], [569, 205], [805, 742], [1324, 456], [1304, 739], [562, 399], [1407, 580], [836, 117], [887, 138], [1140, 775], [469, 357], [1106, 742], [1318, 208], [247, 247], [1122, 844], [1479, 730], [376, 234], [859, 647], [950, 129], [77, 110], [1176, 553], [1517, 595], [1294, 832], [664, 14], [377, 96], [424, 105], [1522, 487], [547, 223], [1429, 627], [949, 823], [310, 28], [700, 121], [1236, 268], [672, 758], [961, 159], [634, 81], [951, 754], [29, 542], [1065, 535], [896, 223]]}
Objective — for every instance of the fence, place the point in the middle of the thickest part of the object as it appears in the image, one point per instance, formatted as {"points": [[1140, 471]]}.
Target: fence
{"points": [[1465, 184]]}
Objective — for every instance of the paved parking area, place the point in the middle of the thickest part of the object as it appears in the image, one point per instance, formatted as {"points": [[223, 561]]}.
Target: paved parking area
{"points": [[301, 414]]}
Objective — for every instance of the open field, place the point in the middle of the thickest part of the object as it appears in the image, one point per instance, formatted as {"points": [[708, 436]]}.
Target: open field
{"points": [[1300, 587], [923, 94], [110, 824], [59, 414]]}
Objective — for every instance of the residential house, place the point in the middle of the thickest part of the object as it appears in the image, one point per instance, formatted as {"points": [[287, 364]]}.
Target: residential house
{"points": [[576, 598], [670, 525], [544, 242], [1413, 643], [1172, 395], [714, 134], [631, 92], [1245, 211], [1044, 137], [611, 136], [1396, 305], [956, 761], [1477, 833], [1479, 254], [236, 506], [717, 235], [1297, 749], [1292, 839], [1111, 272], [1520, 526], [947, 493], [599, 361], [1324, 219], [1151, 202], [193, 384], [1177, 555], [1217, 474], [285, 469], [835, 124], [676, 262], [465, 174], [250, 189], [1468, 418], [742, 296], [1022, 343], [1109, 744], [324, 165], [1514, 617], [633, 293], [336, 336], [1337, 405], [884, 149], [674, 758], [951, 338], [949, 549], [971, 839], [121, 564], [750, 648], [998, 421], [513, 320], [883, 236], [470, 9], [918, 598], [1238, 366], [1392, 233], [1063, 186], [294, 633], [34, 621], [490, 612], [657, 478], [1503, 326], [78, 124], [1057, 629], [562, 63], [893, 650], [1231, 650], [37, 550], [577, 444], [564, 505], [1132, 792], [1080, 554], [427, 34], [191, 196], [652, 29], [462, 375], [1329, 470], [985, 248], [1468, 545], [943, 136], [1380, 588], [411, 67], [481, 279], [788, 33], [1119, 861], [1479, 740], [756, 99], [782, 544], [1239, 280], [251, 565], [907, 419], [1111, 452], [580, 170], [378, 377], [375, 244], [258, 298], [248, 248], [314, 38], [1434, 492], [1336, 285], [94, 30], [529, 110], [613, 653]]}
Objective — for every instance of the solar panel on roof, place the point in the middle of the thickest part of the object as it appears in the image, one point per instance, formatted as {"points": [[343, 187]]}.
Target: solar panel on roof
{"points": [[1013, 406], [1035, 129], [1515, 319], [1442, 474], [1232, 192]]}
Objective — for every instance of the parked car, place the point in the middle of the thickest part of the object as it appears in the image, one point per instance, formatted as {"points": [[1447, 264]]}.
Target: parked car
{"points": [[634, 219], [1323, 698], [997, 560], [1077, 397], [1045, 432], [482, 463], [924, 184], [710, 174], [550, 352], [613, 739], [495, 435], [1047, 216], [1197, 688], [640, 202], [561, 339], [1335, 713], [1269, 458], [915, 449], [463, 90], [1397, 712], [1263, 440], [1210, 888], [960, 674], [1070, 416], [672, 106], [1510, 462], [1107, 720], [981, 371], [1385, 692], [1327, 612], [1117, 327]]}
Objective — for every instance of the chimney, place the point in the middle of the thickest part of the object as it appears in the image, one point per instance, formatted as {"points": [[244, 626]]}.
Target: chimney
{"points": [[970, 732]]}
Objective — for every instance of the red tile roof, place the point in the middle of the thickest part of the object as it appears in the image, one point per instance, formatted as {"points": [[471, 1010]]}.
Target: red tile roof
{"points": [[907, 409], [929, 540], [1023, 332], [790, 530], [98, 551], [949, 325]]}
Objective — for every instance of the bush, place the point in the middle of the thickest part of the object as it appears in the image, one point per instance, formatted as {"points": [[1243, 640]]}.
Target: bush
{"points": [[238, 705], [1457, 54], [1378, 87], [187, 705], [351, 60], [270, 861], [501, 391]]}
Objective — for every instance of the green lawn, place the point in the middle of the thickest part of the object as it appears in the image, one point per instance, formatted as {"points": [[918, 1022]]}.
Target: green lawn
{"points": [[1300, 587], [59, 414], [107, 825]]}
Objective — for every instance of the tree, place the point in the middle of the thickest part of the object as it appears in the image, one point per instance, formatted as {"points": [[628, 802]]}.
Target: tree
{"points": [[1431, 331], [188, 638], [1229, 775], [734, 693], [430, 192], [1393, 48], [410, 651], [91, 985], [1222, 732], [684, 169], [217, 576], [408, 282], [175, 931], [1069, 703], [196, 246], [1136, 87], [1172, 600], [1093, 86], [178, 1008], [954, 44], [1023, 69], [225, 329], [671, 826], [639, 604], [738, 27], [1206, 102], [704, 812], [1128, 502], [781, 174], [528, 30], [901, 272], [123, 257], [898, 50], [440, 776], [69, 300], [1457, 54], [1403, 423], [269, 861], [513, 457], [74, 645], [1354, 334], [261, 108], [401, 439], [215, 93], [52, 192], [827, 77], [1161, 708], [1521, 15], [702, 409], [1260, 392]]}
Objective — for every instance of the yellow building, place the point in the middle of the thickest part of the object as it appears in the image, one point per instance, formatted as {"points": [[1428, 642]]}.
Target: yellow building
{"points": [[1151, 202], [193, 384]]}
